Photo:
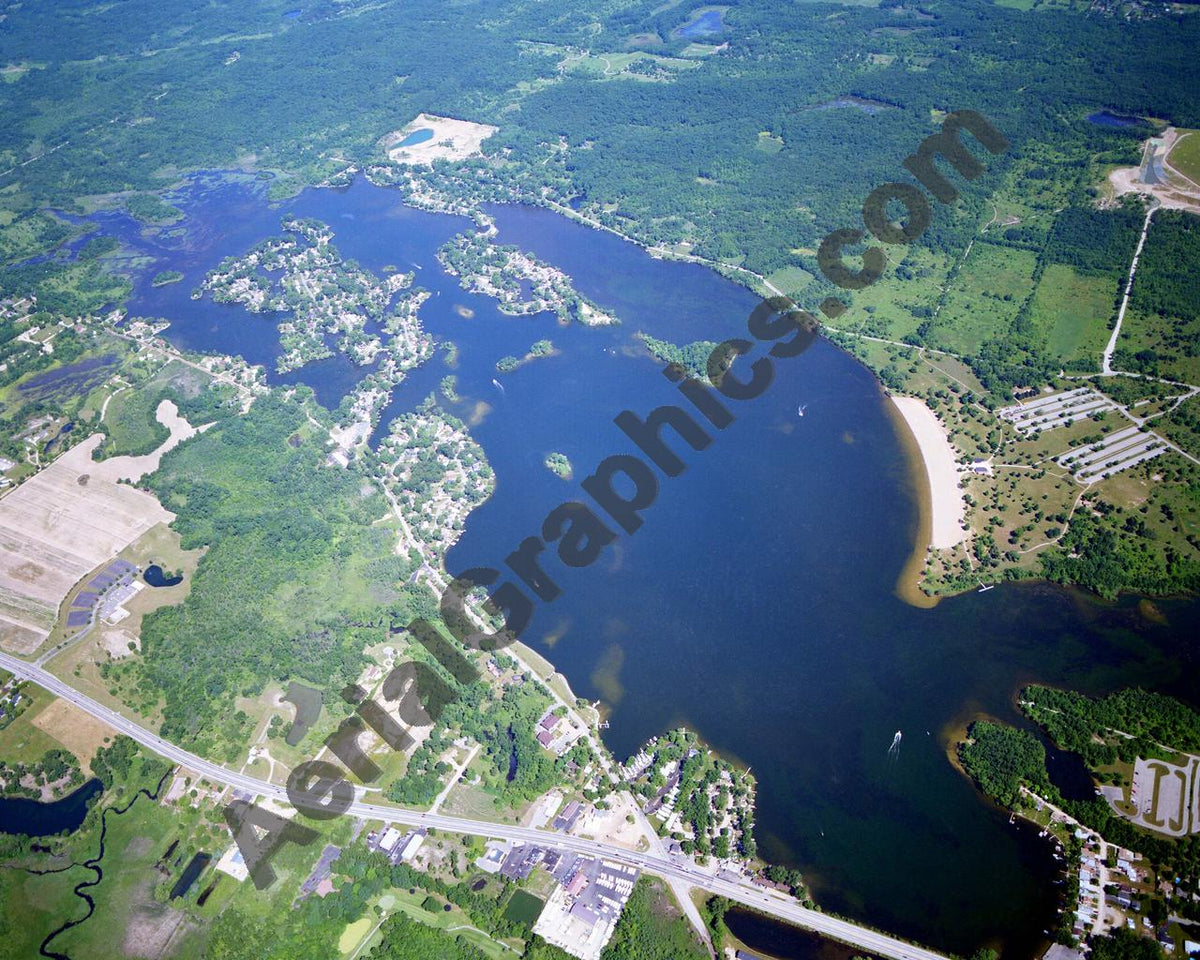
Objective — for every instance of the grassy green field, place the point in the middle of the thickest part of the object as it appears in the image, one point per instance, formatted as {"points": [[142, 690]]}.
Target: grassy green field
{"points": [[22, 741], [791, 280], [1185, 157], [33, 906], [1072, 311], [985, 297], [903, 299], [1158, 345], [127, 912]]}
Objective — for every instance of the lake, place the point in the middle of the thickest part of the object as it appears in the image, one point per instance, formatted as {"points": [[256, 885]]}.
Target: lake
{"points": [[36, 819], [757, 604]]}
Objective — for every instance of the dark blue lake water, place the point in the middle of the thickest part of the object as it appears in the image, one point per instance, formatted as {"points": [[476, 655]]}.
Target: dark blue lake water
{"points": [[756, 604], [36, 819]]}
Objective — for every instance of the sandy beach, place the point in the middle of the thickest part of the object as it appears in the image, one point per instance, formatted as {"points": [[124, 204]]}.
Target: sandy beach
{"points": [[946, 499]]}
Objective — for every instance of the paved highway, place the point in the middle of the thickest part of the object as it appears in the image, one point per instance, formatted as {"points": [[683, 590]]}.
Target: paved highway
{"points": [[767, 901]]}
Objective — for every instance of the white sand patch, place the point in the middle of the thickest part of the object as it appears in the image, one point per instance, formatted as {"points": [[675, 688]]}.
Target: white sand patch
{"points": [[134, 468], [452, 140], [941, 468]]}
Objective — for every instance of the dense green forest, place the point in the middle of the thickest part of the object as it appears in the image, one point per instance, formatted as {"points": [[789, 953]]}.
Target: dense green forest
{"points": [[1112, 552], [1090, 727], [405, 939], [1169, 272], [1095, 241], [693, 357], [1125, 945], [1001, 758]]}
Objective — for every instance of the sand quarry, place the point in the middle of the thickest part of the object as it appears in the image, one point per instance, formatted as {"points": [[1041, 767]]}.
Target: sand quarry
{"points": [[67, 520], [452, 140]]}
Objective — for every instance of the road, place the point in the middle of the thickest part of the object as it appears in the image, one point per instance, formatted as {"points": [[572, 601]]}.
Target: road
{"points": [[676, 873], [1106, 360]]}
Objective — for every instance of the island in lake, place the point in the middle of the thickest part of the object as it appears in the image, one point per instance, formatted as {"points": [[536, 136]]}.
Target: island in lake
{"points": [[559, 465]]}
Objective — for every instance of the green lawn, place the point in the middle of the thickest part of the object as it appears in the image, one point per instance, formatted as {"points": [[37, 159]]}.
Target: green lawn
{"points": [[454, 921], [1072, 312]]}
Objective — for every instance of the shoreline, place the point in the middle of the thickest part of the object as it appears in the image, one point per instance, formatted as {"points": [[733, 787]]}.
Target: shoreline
{"points": [[908, 581], [935, 473]]}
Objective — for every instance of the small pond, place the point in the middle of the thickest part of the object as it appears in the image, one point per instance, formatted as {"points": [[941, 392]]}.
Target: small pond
{"points": [[864, 104], [194, 868], [1105, 118], [417, 136], [705, 22], [156, 578], [36, 819]]}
